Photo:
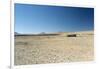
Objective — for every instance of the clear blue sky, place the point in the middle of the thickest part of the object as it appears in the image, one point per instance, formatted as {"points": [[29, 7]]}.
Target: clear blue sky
{"points": [[31, 18]]}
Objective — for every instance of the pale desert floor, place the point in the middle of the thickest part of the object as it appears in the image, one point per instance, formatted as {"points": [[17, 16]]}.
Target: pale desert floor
{"points": [[53, 49]]}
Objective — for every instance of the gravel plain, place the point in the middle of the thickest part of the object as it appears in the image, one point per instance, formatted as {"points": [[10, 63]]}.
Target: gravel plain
{"points": [[53, 49]]}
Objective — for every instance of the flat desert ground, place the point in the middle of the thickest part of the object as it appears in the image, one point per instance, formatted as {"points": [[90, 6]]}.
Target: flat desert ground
{"points": [[54, 49]]}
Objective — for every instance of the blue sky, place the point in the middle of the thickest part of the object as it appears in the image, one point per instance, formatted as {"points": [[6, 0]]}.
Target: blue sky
{"points": [[31, 18]]}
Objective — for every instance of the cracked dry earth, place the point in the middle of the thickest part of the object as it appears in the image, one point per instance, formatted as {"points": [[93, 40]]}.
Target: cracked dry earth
{"points": [[42, 49]]}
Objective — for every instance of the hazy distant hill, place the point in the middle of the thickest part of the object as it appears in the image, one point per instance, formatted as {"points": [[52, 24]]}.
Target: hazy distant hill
{"points": [[16, 33]]}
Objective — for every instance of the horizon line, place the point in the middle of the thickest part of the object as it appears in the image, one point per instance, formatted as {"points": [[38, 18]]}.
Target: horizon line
{"points": [[52, 32]]}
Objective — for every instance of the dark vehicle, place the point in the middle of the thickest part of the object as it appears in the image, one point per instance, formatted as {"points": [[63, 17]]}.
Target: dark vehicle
{"points": [[71, 35]]}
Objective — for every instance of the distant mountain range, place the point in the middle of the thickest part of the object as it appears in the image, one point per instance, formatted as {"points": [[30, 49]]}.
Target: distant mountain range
{"points": [[55, 34], [41, 34]]}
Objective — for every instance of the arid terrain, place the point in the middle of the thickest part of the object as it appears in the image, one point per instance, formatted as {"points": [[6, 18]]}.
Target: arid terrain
{"points": [[64, 47]]}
